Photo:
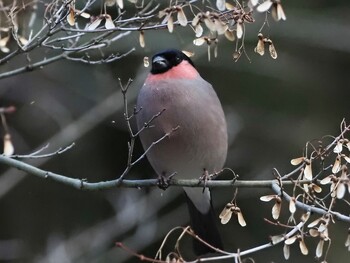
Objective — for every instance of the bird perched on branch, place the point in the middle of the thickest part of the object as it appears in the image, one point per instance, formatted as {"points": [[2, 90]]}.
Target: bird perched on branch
{"points": [[198, 145]]}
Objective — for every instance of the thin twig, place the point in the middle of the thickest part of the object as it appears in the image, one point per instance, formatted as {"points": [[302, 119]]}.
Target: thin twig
{"points": [[35, 155]]}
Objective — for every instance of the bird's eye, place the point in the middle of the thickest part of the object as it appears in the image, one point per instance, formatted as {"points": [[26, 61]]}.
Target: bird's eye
{"points": [[177, 59]]}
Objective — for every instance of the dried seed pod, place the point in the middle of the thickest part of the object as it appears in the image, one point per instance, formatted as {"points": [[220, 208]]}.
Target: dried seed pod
{"points": [[276, 209], [188, 53], [272, 50], [327, 179], [146, 62], [239, 30], [71, 16], [226, 214], [308, 171], [162, 13], [280, 13], [292, 206], [95, 24], [220, 4], [23, 40], [216, 49], [291, 240], [209, 24], [322, 227], [84, 14], [170, 23], [196, 20], [109, 22], [229, 6], [315, 188], [314, 223], [229, 34], [110, 2], [199, 41], [286, 251], [236, 55], [220, 26], [305, 217], [142, 39], [241, 220], [181, 17], [339, 147], [297, 161], [260, 47], [254, 2], [8, 146], [313, 232], [341, 189], [3, 43], [319, 248], [199, 30], [336, 165], [346, 158], [120, 3], [347, 241], [303, 247], [209, 52], [264, 6], [267, 198]]}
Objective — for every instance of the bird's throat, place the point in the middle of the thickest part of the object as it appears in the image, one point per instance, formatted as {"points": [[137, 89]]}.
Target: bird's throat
{"points": [[182, 71]]}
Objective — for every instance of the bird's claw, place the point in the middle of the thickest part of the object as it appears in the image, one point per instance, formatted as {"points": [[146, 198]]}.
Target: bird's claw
{"points": [[205, 178], [163, 180]]}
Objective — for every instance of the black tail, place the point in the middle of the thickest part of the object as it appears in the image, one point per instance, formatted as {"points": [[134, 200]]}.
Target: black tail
{"points": [[204, 226]]}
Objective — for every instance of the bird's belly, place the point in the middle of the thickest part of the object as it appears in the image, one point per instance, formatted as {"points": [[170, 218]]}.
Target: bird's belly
{"points": [[181, 154]]}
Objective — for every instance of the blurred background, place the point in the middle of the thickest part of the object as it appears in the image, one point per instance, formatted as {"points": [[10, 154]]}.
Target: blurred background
{"points": [[273, 107]]}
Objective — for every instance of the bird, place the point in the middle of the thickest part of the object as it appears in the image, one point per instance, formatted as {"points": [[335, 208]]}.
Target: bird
{"points": [[177, 102]]}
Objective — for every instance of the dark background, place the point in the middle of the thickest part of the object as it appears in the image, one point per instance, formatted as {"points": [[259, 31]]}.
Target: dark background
{"points": [[273, 108]]}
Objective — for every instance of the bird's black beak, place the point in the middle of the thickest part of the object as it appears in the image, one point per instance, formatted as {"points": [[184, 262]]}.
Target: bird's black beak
{"points": [[159, 64]]}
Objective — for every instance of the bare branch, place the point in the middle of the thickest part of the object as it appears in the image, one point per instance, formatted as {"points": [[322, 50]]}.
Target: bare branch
{"points": [[36, 155], [277, 189], [84, 185]]}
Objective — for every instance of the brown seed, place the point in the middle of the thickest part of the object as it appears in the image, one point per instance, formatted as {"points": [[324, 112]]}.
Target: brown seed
{"points": [[142, 39], [109, 22], [336, 165], [286, 251], [308, 171], [297, 161], [95, 24], [170, 23], [241, 220], [319, 248], [280, 12], [303, 247], [70, 17], [8, 146], [264, 6], [181, 17], [272, 50]]}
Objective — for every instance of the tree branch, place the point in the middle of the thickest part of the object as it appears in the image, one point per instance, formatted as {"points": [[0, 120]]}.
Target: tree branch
{"points": [[84, 185]]}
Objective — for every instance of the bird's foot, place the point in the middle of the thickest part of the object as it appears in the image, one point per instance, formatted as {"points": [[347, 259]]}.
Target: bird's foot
{"points": [[205, 178], [163, 180]]}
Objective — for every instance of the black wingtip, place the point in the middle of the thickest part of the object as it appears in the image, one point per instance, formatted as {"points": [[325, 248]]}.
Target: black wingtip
{"points": [[204, 226]]}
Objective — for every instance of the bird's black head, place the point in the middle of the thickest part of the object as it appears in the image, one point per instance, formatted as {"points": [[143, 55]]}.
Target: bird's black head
{"points": [[167, 59]]}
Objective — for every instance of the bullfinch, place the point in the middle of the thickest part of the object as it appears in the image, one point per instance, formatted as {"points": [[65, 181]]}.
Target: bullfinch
{"points": [[198, 146]]}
